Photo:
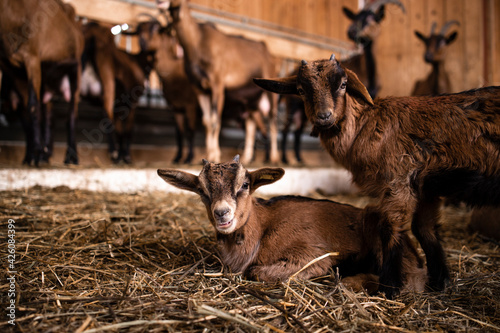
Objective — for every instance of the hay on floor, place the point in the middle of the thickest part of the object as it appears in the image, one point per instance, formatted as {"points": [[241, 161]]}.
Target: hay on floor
{"points": [[107, 262]]}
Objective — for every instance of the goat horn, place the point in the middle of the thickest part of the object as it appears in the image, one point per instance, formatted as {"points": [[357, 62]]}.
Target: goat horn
{"points": [[332, 57], [374, 6], [447, 25], [304, 63], [433, 27], [236, 158], [204, 161]]}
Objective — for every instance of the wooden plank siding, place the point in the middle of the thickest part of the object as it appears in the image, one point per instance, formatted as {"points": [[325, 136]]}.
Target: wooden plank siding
{"points": [[473, 60]]}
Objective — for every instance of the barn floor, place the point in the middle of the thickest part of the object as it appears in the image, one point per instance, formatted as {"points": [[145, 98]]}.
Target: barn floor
{"points": [[108, 262]]}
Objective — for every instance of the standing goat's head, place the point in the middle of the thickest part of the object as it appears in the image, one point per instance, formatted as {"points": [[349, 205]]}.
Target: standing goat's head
{"points": [[323, 86], [436, 43], [225, 189], [365, 25]]}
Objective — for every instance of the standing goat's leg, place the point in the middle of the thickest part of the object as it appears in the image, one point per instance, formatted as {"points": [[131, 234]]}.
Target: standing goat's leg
{"points": [[71, 152], [425, 229], [179, 134], [250, 129], [34, 73], [395, 222], [190, 131], [273, 128], [206, 108]]}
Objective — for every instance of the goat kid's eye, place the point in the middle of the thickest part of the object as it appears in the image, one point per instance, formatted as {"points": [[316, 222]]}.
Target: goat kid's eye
{"points": [[245, 186]]}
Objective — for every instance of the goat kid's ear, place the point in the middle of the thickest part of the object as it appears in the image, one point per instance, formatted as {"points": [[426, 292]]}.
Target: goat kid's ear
{"points": [[180, 179], [285, 85], [349, 13], [265, 176], [355, 87]]}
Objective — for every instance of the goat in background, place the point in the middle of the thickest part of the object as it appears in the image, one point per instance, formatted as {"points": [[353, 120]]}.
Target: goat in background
{"points": [[40, 38], [407, 151], [438, 81], [121, 79], [216, 63], [364, 31], [275, 239]]}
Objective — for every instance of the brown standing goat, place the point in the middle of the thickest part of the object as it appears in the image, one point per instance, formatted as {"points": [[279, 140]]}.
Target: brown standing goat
{"points": [[407, 151], [215, 63], [273, 239], [36, 35], [438, 81], [121, 76]]}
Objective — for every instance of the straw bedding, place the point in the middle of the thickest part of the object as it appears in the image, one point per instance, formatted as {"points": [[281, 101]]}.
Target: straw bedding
{"points": [[147, 262]]}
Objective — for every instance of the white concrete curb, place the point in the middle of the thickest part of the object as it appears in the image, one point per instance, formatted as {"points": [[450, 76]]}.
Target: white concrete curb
{"points": [[295, 181]]}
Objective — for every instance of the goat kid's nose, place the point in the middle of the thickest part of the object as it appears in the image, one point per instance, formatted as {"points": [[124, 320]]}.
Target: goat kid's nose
{"points": [[221, 212]]}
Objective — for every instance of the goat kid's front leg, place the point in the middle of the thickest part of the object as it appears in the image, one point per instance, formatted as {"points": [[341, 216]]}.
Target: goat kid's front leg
{"points": [[425, 228]]}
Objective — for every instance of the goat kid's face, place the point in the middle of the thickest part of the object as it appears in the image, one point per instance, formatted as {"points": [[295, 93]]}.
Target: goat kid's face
{"points": [[323, 86], [225, 189]]}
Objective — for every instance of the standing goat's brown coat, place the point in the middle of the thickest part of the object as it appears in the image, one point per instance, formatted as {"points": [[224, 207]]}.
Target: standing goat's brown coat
{"points": [[407, 151]]}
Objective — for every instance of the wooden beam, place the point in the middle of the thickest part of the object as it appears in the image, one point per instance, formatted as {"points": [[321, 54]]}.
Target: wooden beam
{"points": [[117, 12]]}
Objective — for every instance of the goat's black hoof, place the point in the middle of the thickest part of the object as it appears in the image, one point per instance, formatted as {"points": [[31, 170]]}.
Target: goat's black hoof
{"points": [[188, 160], [127, 159], [71, 158], [439, 285], [284, 160], [389, 292]]}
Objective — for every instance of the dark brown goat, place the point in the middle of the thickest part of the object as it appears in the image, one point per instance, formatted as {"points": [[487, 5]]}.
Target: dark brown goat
{"points": [[407, 151], [176, 86], [216, 63], [122, 76], [36, 35], [276, 238], [363, 31], [438, 81]]}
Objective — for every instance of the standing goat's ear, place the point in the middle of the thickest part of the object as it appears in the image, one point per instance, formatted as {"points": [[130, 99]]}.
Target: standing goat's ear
{"points": [[265, 176], [180, 179], [285, 85], [355, 87], [349, 13]]}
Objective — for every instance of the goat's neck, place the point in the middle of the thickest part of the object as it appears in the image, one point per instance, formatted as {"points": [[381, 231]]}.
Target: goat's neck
{"points": [[188, 32], [339, 142], [240, 249], [438, 79], [371, 68]]}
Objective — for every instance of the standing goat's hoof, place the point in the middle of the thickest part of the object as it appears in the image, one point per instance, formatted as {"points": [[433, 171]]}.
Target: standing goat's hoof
{"points": [[71, 157]]}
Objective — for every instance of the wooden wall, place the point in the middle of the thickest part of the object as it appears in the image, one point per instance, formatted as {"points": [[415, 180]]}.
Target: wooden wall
{"points": [[473, 60]]}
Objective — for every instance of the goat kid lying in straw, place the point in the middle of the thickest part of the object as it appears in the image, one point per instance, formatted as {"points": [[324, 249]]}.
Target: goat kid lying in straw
{"points": [[407, 151], [275, 239]]}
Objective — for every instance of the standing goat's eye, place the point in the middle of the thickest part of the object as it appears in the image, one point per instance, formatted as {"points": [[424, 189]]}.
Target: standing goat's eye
{"points": [[343, 85], [301, 91]]}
